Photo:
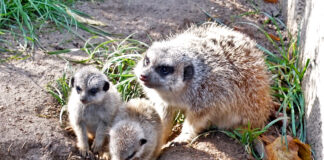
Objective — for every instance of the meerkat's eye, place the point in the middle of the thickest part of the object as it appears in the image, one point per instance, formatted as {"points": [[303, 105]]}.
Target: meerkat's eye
{"points": [[131, 156], [93, 91], [146, 61], [164, 70], [143, 141], [78, 89]]}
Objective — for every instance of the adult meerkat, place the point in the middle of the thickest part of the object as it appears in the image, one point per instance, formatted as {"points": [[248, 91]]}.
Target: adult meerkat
{"points": [[217, 76], [92, 106], [136, 133]]}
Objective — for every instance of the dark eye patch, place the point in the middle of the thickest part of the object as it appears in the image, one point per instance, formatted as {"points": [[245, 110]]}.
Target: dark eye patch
{"points": [[131, 156], [78, 88], [142, 141], [93, 91], [72, 81], [146, 61], [188, 73], [164, 70]]}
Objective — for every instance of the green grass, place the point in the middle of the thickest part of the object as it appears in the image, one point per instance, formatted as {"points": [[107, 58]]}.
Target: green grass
{"points": [[119, 63], [60, 90], [287, 83], [247, 136], [29, 16]]}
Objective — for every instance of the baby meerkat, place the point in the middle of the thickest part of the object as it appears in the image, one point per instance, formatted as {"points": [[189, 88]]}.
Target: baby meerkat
{"points": [[217, 76], [92, 106], [136, 133]]}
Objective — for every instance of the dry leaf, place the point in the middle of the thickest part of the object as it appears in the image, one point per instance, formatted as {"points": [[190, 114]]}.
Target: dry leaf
{"points": [[297, 150], [277, 150], [271, 1], [274, 37], [304, 150]]}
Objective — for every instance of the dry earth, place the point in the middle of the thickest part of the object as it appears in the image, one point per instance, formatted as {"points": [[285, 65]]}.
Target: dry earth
{"points": [[29, 116]]}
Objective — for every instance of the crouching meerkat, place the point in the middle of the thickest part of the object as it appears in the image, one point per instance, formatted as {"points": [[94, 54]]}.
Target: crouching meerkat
{"points": [[136, 133], [92, 106], [217, 76]]}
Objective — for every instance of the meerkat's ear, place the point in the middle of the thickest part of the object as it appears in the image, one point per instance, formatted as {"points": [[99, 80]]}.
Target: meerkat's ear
{"points": [[72, 82], [142, 141], [106, 86], [188, 73]]}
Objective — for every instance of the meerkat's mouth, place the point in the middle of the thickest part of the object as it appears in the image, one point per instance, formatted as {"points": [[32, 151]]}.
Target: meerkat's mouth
{"points": [[149, 85]]}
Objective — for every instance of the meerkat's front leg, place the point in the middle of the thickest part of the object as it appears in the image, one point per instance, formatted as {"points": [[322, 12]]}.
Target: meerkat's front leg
{"points": [[167, 114], [99, 137], [81, 133], [191, 128]]}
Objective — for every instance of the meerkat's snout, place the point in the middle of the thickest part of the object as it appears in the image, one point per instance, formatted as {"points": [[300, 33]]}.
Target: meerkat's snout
{"points": [[146, 78], [143, 78], [83, 100]]}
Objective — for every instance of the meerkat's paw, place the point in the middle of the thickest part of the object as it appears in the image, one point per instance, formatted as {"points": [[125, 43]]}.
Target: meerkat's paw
{"points": [[183, 138], [173, 144], [96, 146], [84, 150], [86, 153], [104, 156]]}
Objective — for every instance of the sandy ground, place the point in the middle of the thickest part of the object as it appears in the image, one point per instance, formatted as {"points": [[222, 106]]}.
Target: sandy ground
{"points": [[29, 116]]}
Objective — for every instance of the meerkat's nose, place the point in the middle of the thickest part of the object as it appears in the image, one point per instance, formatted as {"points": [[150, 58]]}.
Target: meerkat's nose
{"points": [[83, 100], [143, 78]]}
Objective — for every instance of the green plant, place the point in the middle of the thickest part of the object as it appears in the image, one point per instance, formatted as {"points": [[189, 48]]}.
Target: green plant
{"points": [[287, 82], [12, 55], [60, 90], [119, 66], [179, 118], [28, 16], [248, 135]]}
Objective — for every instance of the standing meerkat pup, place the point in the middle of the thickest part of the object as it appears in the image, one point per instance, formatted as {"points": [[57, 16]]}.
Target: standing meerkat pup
{"points": [[217, 76], [136, 133], [92, 106]]}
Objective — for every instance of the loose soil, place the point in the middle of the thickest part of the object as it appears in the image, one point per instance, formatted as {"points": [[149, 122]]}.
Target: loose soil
{"points": [[29, 122]]}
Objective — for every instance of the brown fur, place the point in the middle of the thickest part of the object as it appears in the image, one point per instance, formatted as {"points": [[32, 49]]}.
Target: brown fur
{"points": [[230, 86]]}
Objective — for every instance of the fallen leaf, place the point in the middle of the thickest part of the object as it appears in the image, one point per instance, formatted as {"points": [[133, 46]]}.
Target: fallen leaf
{"points": [[304, 150], [277, 150], [274, 37], [271, 1]]}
